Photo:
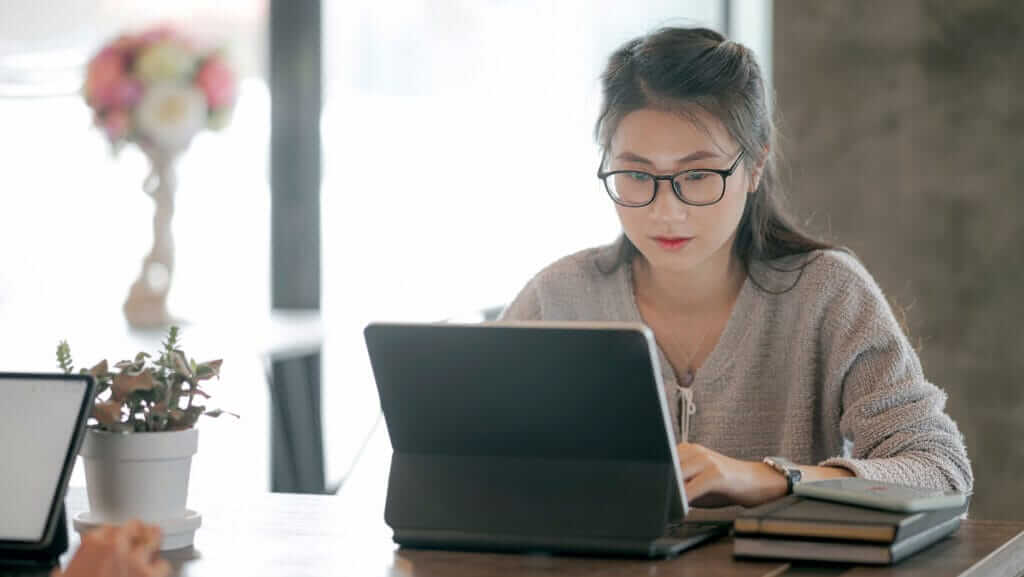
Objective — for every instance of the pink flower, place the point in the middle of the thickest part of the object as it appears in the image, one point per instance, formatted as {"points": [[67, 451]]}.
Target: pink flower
{"points": [[116, 124], [102, 77], [126, 93], [126, 43], [157, 34], [217, 82]]}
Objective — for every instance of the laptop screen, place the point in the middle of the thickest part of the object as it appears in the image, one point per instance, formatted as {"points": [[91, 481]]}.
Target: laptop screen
{"points": [[39, 417]]}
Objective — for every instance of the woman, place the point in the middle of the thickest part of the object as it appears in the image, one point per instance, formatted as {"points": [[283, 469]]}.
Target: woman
{"points": [[772, 344]]}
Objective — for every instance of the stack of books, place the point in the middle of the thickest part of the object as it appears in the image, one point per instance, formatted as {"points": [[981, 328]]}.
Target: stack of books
{"points": [[796, 527]]}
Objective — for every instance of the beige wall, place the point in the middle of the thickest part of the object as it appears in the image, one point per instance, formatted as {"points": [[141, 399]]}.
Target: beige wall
{"points": [[903, 126]]}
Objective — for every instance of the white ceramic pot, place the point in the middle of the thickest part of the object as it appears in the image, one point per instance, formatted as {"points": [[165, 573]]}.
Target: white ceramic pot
{"points": [[138, 475]]}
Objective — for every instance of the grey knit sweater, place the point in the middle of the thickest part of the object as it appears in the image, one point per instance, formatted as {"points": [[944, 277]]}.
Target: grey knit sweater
{"points": [[821, 374]]}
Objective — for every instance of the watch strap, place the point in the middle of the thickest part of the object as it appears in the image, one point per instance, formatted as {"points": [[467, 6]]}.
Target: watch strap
{"points": [[787, 469]]}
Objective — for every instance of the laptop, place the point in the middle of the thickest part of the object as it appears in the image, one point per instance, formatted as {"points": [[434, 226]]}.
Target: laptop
{"points": [[530, 437], [42, 424]]}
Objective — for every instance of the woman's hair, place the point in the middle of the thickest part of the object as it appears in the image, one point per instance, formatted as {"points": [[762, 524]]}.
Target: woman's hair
{"points": [[688, 69]]}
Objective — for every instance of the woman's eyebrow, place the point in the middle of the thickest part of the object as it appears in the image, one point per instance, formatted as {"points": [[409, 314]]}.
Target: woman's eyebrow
{"points": [[698, 155]]}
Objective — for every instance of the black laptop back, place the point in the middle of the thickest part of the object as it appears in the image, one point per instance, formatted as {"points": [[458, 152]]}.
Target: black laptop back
{"points": [[524, 437]]}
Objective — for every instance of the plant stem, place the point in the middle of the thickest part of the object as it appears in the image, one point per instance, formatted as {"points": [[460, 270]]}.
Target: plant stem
{"points": [[135, 417]]}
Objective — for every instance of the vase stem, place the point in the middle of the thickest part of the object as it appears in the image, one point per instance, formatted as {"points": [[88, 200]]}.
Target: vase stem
{"points": [[146, 306]]}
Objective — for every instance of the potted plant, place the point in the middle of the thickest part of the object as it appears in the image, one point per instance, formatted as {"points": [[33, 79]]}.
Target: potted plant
{"points": [[141, 437]]}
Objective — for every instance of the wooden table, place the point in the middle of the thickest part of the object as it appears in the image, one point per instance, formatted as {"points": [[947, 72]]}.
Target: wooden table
{"points": [[289, 535]]}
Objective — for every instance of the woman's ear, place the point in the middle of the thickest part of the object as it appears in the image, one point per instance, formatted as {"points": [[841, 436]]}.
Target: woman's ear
{"points": [[755, 175]]}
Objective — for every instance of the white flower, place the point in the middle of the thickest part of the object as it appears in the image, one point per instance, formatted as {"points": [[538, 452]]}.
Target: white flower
{"points": [[170, 115]]}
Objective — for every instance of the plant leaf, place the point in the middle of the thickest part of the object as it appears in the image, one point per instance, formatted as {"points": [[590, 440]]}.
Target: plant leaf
{"points": [[64, 361], [107, 413], [148, 395], [125, 384], [100, 370], [185, 419], [215, 365], [117, 427], [193, 413], [219, 412], [208, 370], [175, 418], [132, 366], [181, 365], [161, 392]]}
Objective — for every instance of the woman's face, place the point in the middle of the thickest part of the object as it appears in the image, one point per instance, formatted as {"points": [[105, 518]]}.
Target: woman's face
{"points": [[671, 235]]}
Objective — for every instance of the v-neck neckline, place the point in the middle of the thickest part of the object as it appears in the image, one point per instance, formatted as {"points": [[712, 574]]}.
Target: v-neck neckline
{"points": [[741, 320]]}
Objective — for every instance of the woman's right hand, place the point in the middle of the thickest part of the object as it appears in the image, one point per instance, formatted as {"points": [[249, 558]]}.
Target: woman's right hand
{"points": [[129, 550]]}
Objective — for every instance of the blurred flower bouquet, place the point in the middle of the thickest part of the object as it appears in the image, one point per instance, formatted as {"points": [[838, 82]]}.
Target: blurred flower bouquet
{"points": [[158, 89]]}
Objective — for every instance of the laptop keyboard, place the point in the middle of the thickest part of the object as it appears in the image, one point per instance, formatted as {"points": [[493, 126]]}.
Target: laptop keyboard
{"points": [[692, 529]]}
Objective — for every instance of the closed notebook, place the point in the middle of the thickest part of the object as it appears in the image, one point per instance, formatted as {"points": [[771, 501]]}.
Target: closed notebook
{"points": [[805, 518], [841, 551]]}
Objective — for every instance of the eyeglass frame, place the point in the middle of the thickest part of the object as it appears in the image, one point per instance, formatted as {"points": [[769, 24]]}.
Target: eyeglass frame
{"points": [[677, 191]]}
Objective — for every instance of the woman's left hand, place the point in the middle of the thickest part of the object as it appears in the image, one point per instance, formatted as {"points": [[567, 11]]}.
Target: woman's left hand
{"points": [[713, 480]]}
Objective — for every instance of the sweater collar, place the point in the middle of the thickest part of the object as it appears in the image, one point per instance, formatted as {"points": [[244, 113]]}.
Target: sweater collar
{"points": [[745, 314]]}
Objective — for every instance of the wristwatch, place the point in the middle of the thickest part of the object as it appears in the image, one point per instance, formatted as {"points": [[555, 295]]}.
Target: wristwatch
{"points": [[787, 468]]}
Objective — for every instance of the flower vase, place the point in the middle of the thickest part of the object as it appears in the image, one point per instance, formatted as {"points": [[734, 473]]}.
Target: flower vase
{"points": [[146, 305]]}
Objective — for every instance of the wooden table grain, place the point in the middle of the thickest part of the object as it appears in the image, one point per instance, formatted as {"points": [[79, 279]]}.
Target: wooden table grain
{"points": [[290, 535]]}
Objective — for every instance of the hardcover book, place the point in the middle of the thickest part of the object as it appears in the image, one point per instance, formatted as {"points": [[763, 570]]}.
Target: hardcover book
{"points": [[842, 551], [800, 517]]}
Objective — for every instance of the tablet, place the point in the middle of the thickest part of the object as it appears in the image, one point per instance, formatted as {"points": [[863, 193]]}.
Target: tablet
{"points": [[530, 436], [880, 495], [42, 423]]}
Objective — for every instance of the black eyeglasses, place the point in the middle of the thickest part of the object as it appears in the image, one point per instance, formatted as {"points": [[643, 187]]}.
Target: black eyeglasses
{"points": [[696, 187]]}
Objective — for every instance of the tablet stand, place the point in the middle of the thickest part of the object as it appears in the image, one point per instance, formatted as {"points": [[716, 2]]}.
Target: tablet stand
{"points": [[43, 559]]}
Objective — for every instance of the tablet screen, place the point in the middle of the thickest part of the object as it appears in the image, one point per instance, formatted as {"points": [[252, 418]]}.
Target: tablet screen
{"points": [[38, 421]]}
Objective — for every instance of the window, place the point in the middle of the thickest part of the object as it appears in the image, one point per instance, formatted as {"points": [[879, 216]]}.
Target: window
{"points": [[75, 223], [432, 109]]}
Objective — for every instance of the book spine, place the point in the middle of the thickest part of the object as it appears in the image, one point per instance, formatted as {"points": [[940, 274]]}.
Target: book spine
{"points": [[750, 522], [923, 521], [912, 545]]}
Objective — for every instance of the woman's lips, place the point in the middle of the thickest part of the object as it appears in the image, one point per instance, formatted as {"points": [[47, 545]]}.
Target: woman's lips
{"points": [[672, 242]]}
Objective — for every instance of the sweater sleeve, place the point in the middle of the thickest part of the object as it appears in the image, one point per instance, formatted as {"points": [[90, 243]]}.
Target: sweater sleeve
{"points": [[526, 305], [894, 418]]}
